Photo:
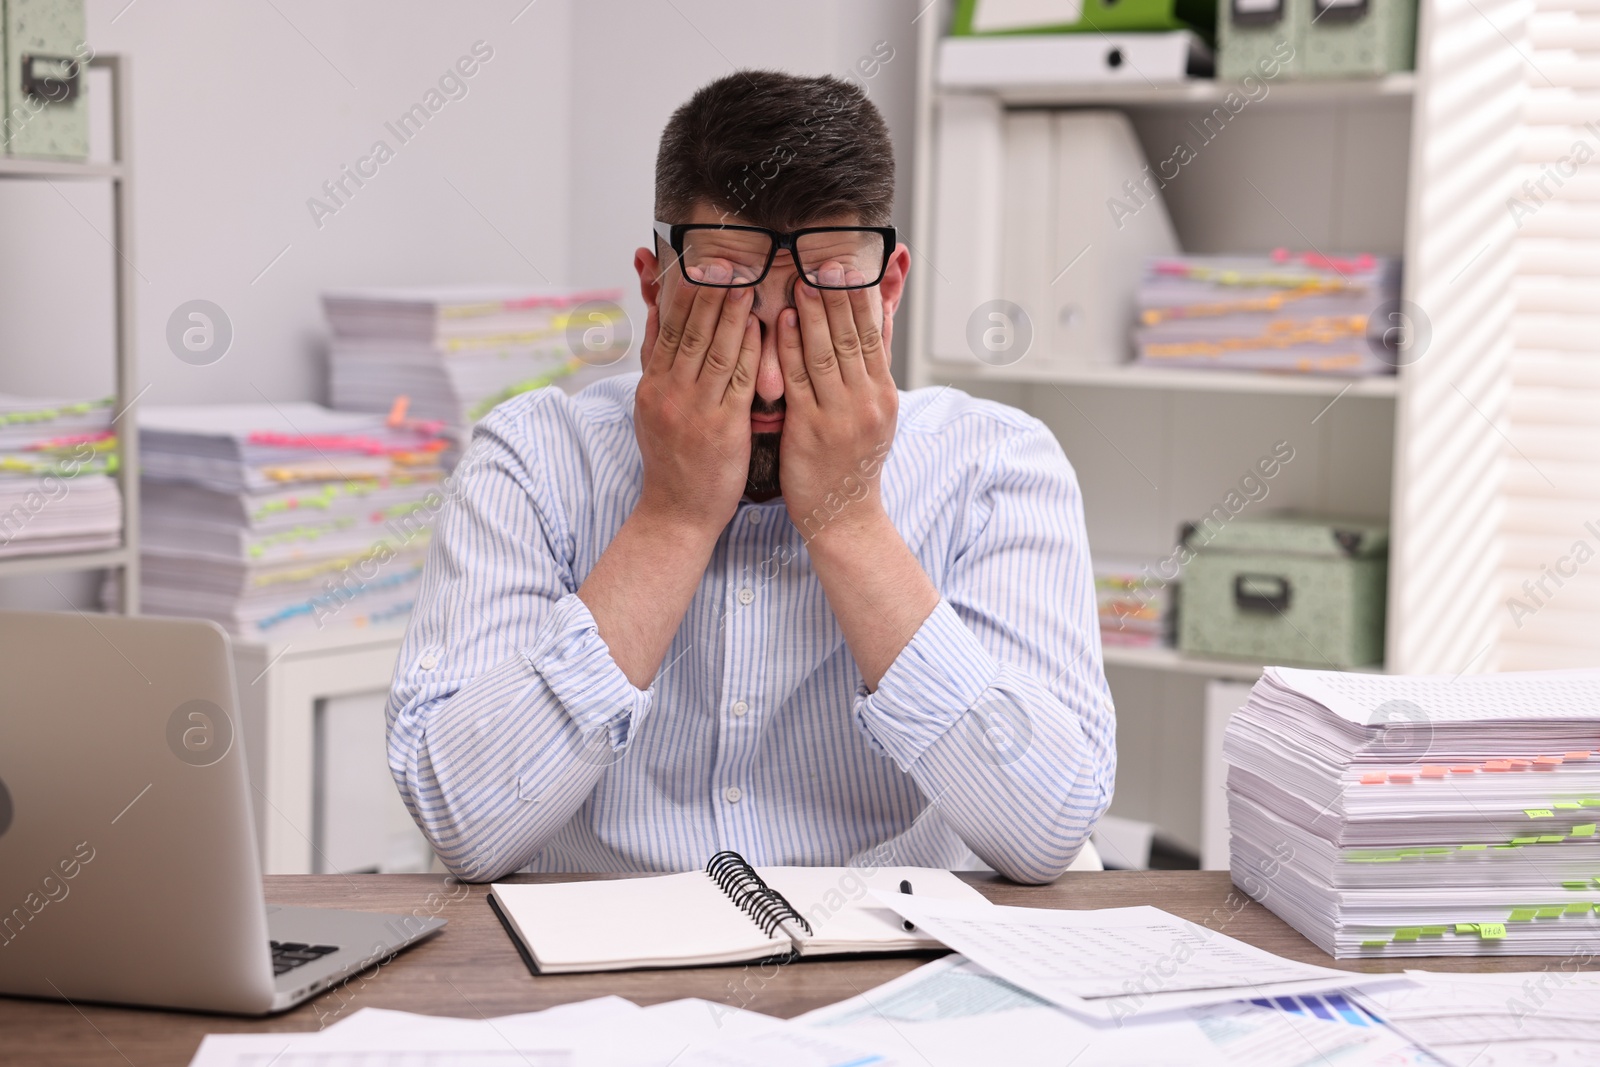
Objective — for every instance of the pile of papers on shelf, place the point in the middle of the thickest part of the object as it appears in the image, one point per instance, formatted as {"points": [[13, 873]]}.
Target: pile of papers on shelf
{"points": [[1421, 816], [273, 519], [456, 353], [55, 491], [1287, 313], [1134, 605]]}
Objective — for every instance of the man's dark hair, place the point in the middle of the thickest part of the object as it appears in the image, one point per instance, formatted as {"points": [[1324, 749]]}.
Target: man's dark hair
{"points": [[778, 150]]}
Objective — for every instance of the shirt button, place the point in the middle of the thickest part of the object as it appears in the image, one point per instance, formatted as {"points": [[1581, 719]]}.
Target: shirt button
{"points": [[753, 516], [427, 662], [733, 793], [746, 595], [739, 708]]}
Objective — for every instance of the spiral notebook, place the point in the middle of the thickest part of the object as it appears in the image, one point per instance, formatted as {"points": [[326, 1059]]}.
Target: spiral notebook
{"points": [[730, 912]]}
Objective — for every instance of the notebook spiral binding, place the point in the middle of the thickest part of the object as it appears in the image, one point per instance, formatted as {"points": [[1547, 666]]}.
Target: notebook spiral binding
{"points": [[764, 904]]}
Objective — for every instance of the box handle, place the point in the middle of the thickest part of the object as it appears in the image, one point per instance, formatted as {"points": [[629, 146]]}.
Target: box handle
{"points": [[1261, 592], [53, 79]]}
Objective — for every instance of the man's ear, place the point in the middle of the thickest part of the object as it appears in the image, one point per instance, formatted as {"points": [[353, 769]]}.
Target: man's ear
{"points": [[644, 262], [893, 288]]}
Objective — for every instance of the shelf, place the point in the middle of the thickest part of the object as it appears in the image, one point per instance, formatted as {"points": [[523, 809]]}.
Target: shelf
{"points": [[1195, 92], [1134, 377], [46, 563], [63, 169]]}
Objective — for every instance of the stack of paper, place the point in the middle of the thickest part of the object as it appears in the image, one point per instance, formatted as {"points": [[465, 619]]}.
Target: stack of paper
{"points": [[1421, 816], [55, 495], [608, 1030], [277, 518], [1134, 605], [456, 353], [1305, 314]]}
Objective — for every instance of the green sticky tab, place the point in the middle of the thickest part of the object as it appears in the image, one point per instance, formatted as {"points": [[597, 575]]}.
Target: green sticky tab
{"points": [[1539, 813], [1436, 851], [1410, 933], [1473, 848], [1581, 908], [1590, 802], [1521, 915], [1583, 830], [1550, 839], [1515, 841], [1575, 885], [1466, 928], [1373, 944], [1566, 805], [1411, 852], [1552, 911], [1434, 931], [1491, 931]]}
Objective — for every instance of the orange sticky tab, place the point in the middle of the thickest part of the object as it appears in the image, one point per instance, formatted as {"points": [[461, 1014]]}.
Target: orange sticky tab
{"points": [[1519, 764], [1547, 761], [397, 413], [1497, 765], [1463, 770], [1373, 778], [1575, 756], [1400, 779], [1434, 772]]}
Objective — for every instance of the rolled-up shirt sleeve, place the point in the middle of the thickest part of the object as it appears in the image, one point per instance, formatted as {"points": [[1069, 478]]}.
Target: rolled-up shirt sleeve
{"points": [[998, 705], [506, 705]]}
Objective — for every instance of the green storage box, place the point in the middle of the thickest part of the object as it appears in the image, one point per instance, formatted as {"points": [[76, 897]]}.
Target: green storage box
{"points": [[1261, 39], [45, 61], [1289, 589], [1360, 38]]}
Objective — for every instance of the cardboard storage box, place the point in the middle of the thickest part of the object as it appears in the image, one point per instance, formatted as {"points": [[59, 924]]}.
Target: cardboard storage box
{"points": [[45, 70], [1290, 589]]}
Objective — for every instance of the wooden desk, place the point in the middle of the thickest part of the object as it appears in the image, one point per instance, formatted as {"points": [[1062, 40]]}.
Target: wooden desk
{"points": [[471, 969]]}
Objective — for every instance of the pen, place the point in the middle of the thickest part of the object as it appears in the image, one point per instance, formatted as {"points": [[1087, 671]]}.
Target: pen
{"points": [[905, 887]]}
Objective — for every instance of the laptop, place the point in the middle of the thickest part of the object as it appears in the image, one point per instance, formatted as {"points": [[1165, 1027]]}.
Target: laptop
{"points": [[128, 865]]}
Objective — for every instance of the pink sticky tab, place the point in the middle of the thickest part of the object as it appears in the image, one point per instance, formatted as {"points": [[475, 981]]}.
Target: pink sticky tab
{"points": [[1373, 778], [1544, 763], [1400, 779], [1497, 765], [1519, 764], [1575, 756], [1434, 772], [1463, 770]]}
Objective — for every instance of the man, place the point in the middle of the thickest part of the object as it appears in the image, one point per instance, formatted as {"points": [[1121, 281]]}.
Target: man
{"points": [[756, 598]]}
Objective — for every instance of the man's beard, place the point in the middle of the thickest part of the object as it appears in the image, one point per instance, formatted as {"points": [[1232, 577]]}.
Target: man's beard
{"points": [[763, 477]]}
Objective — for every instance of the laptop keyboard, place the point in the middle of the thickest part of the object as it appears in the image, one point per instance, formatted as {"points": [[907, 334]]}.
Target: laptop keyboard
{"points": [[287, 955]]}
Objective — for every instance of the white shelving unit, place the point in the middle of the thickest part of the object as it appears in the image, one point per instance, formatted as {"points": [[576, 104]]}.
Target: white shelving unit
{"points": [[1416, 165], [118, 172]]}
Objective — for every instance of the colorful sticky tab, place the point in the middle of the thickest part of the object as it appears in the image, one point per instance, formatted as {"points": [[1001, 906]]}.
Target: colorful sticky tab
{"points": [[1550, 911], [1550, 839], [1583, 830], [1520, 764], [1436, 851], [1577, 755], [1590, 802], [1373, 944], [1401, 779], [1466, 928], [1410, 933], [1473, 848], [1374, 778], [1566, 805], [1411, 852], [1523, 840], [1539, 813], [1521, 915], [1434, 931], [1463, 770], [1491, 931], [1435, 772], [1575, 885], [1579, 908], [1497, 765], [1547, 761]]}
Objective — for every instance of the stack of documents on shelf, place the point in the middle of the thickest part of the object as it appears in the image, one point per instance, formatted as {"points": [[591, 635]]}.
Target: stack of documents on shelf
{"points": [[1286, 313], [55, 493], [1134, 604], [456, 353], [280, 518], [1421, 816]]}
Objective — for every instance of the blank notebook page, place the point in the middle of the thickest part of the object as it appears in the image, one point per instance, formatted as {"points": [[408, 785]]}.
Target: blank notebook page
{"points": [[845, 918], [633, 922]]}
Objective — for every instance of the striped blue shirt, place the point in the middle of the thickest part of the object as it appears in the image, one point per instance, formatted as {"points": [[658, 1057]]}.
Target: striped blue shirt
{"points": [[517, 742]]}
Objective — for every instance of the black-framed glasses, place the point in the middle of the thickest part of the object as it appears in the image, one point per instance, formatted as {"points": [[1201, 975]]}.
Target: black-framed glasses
{"points": [[733, 257]]}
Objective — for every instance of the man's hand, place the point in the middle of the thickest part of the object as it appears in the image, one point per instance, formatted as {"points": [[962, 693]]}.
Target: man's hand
{"points": [[692, 409], [840, 403]]}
